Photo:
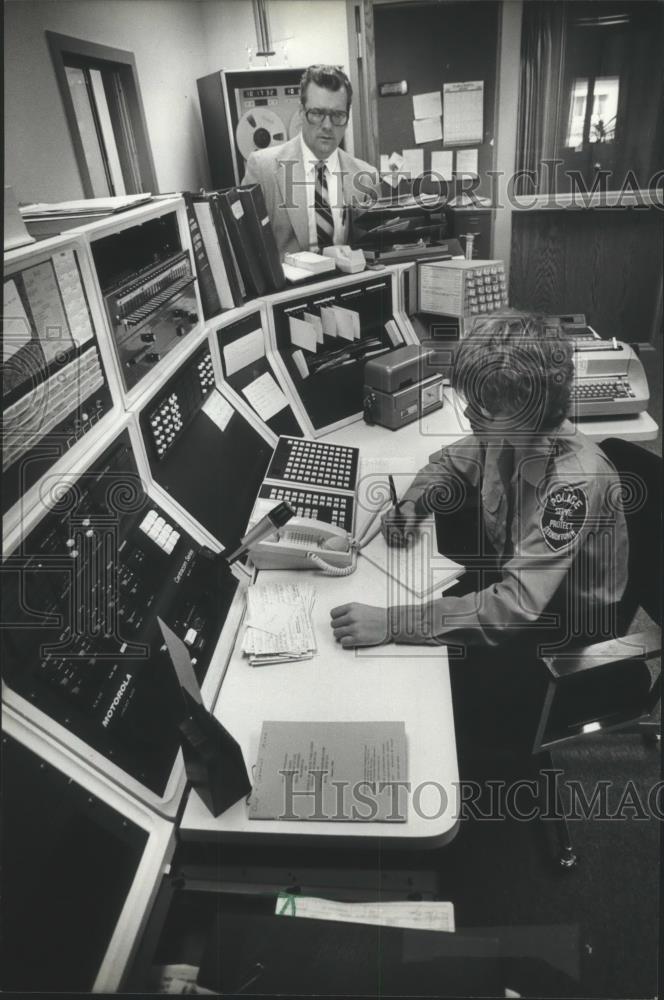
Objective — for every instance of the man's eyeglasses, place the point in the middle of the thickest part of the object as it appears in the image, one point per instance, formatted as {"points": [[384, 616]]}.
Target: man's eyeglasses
{"points": [[316, 116]]}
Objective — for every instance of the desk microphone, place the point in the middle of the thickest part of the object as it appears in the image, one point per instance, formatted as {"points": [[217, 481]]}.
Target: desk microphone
{"points": [[274, 519]]}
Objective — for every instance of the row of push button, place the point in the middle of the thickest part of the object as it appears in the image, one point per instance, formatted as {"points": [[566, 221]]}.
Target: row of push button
{"points": [[156, 528]]}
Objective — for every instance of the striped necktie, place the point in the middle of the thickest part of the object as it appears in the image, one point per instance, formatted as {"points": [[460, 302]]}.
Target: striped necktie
{"points": [[322, 210]]}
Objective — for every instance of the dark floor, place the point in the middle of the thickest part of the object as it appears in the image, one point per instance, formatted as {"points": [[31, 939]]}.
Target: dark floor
{"points": [[591, 931]]}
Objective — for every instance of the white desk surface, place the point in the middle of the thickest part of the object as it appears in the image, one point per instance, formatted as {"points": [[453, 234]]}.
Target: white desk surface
{"points": [[409, 683]]}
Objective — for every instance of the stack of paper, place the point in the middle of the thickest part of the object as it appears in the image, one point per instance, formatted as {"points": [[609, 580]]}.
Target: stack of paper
{"points": [[278, 623], [315, 263], [84, 206]]}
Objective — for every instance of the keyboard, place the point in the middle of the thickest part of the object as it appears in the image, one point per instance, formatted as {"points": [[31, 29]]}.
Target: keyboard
{"points": [[604, 397], [333, 508], [313, 463]]}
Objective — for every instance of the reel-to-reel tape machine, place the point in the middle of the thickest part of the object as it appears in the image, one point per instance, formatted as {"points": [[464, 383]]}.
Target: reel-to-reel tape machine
{"points": [[269, 116], [247, 110]]}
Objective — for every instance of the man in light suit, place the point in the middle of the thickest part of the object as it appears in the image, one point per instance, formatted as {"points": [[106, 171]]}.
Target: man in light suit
{"points": [[309, 183]]}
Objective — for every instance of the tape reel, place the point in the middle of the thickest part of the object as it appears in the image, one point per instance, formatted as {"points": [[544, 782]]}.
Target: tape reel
{"points": [[259, 128]]}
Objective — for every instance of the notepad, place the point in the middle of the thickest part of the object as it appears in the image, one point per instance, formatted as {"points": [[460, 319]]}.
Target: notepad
{"points": [[331, 771]]}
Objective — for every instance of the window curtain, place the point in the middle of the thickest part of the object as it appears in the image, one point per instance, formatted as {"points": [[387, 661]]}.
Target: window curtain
{"points": [[542, 59]]}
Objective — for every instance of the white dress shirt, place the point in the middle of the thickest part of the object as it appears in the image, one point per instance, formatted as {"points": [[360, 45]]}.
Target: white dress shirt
{"points": [[334, 193]]}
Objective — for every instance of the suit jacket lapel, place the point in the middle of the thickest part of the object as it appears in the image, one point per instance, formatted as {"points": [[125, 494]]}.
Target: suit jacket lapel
{"points": [[291, 181]]}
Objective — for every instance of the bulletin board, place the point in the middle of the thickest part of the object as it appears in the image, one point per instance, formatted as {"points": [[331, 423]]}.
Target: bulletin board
{"points": [[430, 45]]}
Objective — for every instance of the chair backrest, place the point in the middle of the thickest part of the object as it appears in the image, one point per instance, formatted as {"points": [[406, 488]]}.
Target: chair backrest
{"points": [[640, 473]]}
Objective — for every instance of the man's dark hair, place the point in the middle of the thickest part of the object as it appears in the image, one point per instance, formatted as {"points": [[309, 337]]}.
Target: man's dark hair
{"points": [[329, 77], [517, 365]]}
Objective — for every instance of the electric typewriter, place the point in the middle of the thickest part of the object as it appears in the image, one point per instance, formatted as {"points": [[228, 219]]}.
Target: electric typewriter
{"points": [[609, 377]]}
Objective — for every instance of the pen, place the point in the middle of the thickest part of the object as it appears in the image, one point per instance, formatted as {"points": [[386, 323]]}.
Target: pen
{"points": [[393, 494]]}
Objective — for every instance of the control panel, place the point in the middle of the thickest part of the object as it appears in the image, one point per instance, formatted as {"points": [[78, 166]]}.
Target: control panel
{"points": [[81, 597], [322, 340], [147, 284], [314, 463], [202, 451], [54, 385], [174, 409], [319, 480]]}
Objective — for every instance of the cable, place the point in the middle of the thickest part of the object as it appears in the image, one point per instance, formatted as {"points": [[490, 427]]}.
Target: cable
{"points": [[327, 569]]}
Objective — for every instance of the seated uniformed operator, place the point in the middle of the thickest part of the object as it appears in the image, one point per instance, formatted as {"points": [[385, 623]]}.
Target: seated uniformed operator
{"points": [[553, 560]]}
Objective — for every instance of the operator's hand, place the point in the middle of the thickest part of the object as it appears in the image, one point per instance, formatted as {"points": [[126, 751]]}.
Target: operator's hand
{"points": [[399, 527], [359, 625]]}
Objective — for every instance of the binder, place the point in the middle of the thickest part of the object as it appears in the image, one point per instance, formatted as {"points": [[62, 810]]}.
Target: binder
{"points": [[210, 298], [214, 263], [237, 224], [226, 246], [258, 220]]}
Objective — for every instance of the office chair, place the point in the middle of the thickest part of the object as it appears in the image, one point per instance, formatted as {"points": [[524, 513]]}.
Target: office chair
{"points": [[608, 685]]}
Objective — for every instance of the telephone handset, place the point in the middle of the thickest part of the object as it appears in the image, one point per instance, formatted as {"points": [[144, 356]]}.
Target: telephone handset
{"points": [[305, 543]]}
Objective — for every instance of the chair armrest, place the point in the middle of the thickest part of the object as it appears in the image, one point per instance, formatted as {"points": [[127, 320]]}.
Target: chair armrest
{"points": [[637, 645]]}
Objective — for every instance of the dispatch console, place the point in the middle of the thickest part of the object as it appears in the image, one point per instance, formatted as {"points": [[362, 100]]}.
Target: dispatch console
{"points": [[81, 597]]}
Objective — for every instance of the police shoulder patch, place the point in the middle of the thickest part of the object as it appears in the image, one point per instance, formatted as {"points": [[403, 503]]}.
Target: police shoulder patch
{"points": [[563, 515]]}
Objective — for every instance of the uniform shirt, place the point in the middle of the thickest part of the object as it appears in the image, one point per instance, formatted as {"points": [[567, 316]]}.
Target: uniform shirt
{"points": [[334, 193], [565, 549]]}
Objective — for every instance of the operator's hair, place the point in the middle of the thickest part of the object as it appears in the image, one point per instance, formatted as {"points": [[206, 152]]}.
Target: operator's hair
{"points": [[329, 77], [519, 365]]}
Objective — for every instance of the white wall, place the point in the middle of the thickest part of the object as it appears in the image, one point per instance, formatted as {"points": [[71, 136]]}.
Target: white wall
{"points": [[167, 38], [303, 32]]}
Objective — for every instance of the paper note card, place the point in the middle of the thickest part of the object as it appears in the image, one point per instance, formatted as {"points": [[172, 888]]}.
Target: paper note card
{"points": [[392, 331], [413, 162], [218, 409], [463, 112], [329, 320], [467, 162], [243, 351], [73, 296], [265, 396], [315, 321], [300, 364], [427, 129], [348, 323], [303, 334], [427, 105], [441, 163], [423, 915]]}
